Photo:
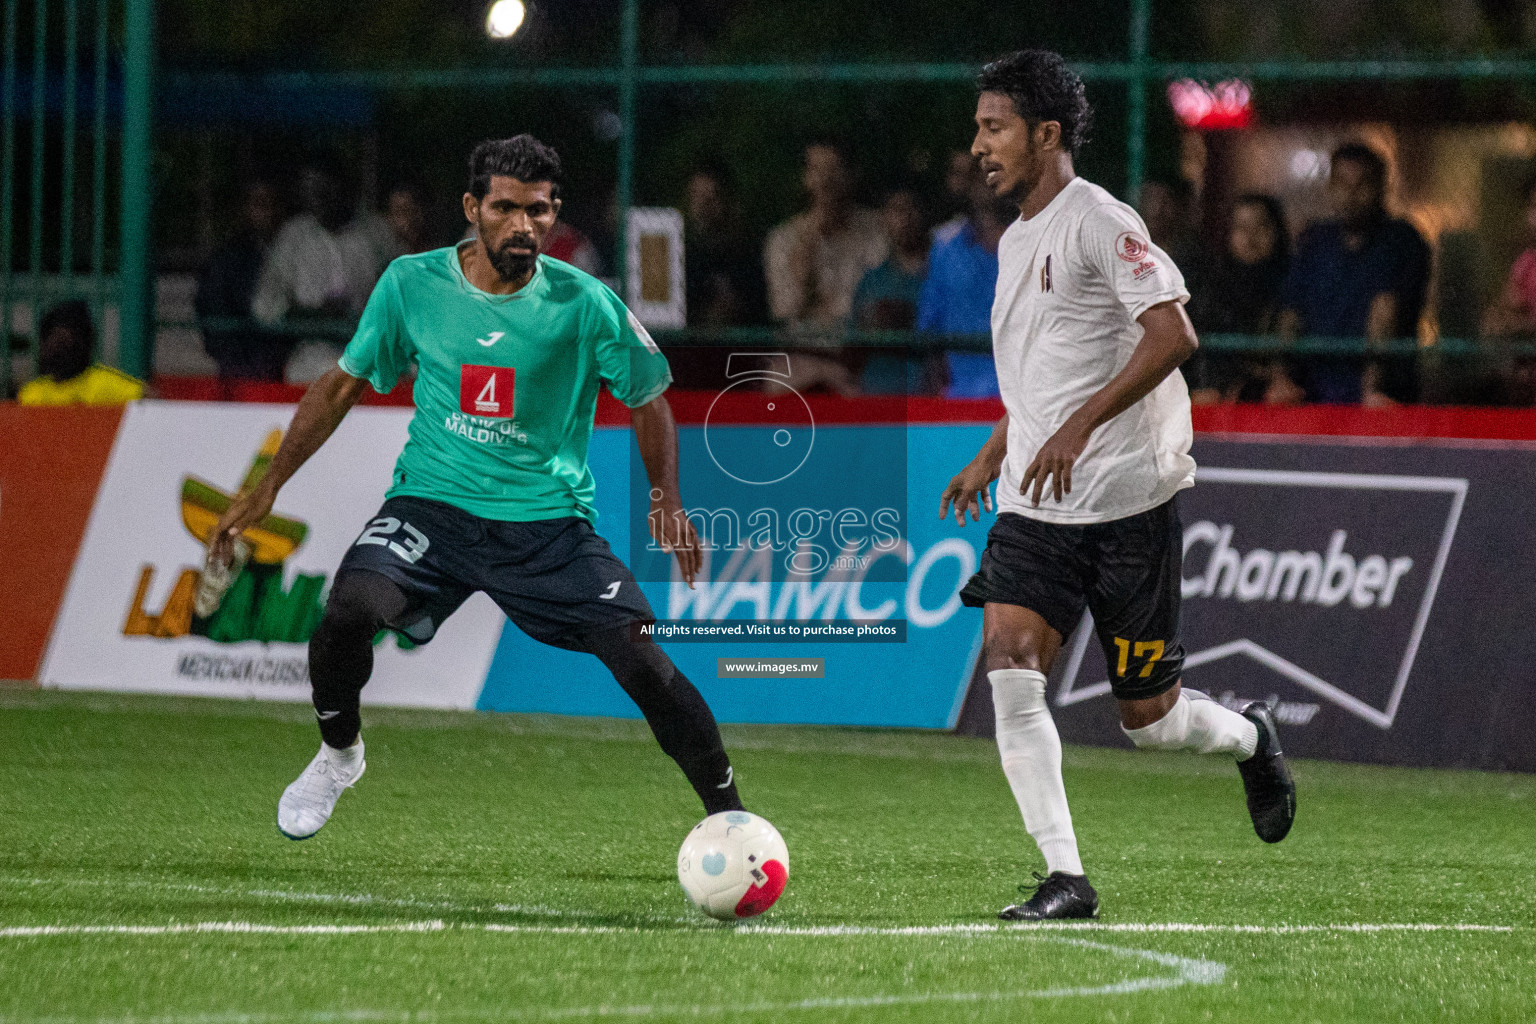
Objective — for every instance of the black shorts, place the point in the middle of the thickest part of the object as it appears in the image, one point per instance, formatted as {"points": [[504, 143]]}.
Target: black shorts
{"points": [[1127, 572], [555, 578]]}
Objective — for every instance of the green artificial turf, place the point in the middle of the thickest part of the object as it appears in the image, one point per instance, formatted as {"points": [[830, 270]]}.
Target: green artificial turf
{"points": [[535, 855]]}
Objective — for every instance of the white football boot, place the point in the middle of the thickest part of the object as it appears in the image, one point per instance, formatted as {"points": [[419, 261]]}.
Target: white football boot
{"points": [[308, 802]]}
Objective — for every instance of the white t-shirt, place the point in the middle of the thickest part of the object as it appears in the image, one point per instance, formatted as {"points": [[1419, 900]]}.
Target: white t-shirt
{"points": [[1071, 282], [309, 266]]}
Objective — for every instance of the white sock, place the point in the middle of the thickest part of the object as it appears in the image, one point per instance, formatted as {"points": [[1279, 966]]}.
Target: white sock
{"points": [[348, 759], [1203, 726], [1031, 753]]}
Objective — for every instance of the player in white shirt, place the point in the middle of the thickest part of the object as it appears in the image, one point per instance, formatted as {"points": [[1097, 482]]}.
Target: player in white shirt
{"points": [[1088, 331]]}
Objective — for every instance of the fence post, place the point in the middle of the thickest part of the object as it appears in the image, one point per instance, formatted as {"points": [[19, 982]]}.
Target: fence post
{"points": [[629, 44], [137, 354], [7, 186], [1136, 115], [39, 167]]}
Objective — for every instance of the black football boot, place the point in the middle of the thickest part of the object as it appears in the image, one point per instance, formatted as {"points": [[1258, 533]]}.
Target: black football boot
{"points": [[1055, 897], [1266, 780]]}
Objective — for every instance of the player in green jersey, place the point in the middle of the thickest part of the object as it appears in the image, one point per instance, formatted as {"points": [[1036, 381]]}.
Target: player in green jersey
{"points": [[492, 491]]}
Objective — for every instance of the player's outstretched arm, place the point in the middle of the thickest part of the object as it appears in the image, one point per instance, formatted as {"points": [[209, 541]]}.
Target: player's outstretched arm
{"points": [[970, 488], [1168, 340], [656, 434], [320, 411]]}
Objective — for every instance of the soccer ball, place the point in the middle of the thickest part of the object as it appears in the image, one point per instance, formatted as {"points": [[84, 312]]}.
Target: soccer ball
{"points": [[733, 865]]}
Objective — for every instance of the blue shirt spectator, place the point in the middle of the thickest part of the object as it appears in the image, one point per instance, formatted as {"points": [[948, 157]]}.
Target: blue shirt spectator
{"points": [[957, 299], [1363, 275], [1332, 284], [886, 299]]}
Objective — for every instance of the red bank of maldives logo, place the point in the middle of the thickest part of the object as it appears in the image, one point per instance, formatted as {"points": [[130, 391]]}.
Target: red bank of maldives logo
{"points": [[485, 390], [1131, 247]]}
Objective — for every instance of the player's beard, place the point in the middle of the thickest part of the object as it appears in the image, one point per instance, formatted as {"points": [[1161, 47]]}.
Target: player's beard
{"points": [[510, 265], [1033, 172]]}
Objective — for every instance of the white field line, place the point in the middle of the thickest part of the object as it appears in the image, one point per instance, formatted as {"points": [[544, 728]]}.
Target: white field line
{"points": [[356, 899], [204, 927], [1186, 971], [743, 931], [670, 923], [1109, 927]]}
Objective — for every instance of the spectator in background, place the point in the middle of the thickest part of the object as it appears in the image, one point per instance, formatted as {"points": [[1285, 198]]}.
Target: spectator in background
{"points": [[66, 374], [321, 266], [1167, 206], [1513, 316], [959, 172], [1241, 295], [957, 294], [1361, 275], [814, 261], [1513, 313], [569, 245], [405, 212], [886, 299], [227, 284], [722, 270]]}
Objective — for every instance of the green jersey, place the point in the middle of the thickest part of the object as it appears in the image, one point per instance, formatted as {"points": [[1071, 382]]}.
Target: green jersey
{"points": [[506, 385]]}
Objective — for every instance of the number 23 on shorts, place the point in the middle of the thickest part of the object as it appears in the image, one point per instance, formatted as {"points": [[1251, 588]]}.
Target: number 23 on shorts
{"points": [[381, 530], [1152, 650]]}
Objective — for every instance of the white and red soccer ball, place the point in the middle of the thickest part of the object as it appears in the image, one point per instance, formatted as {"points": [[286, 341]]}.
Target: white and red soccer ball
{"points": [[733, 865]]}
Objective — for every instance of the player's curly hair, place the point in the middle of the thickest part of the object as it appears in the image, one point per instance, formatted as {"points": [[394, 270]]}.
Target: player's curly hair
{"points": [[1043, 88], [522, 157]]}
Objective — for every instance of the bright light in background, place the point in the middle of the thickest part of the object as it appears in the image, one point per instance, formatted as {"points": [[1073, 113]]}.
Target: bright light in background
{"points": [[1309, 165], [1204, 107], [504, 18]]}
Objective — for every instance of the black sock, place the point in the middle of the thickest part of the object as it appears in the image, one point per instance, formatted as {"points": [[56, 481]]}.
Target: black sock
{"points": [[679, 718], [341, 651]]}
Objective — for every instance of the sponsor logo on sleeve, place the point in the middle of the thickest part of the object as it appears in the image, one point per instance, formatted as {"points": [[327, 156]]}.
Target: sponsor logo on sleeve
{"points": [[1131, 247], [641, 333]]}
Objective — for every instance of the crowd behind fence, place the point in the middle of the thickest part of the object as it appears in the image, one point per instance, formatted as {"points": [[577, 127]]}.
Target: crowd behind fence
{"points": [[893, 296]]}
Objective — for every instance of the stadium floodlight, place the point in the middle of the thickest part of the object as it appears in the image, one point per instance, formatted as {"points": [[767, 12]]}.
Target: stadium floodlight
{"points": [[504, 18]]}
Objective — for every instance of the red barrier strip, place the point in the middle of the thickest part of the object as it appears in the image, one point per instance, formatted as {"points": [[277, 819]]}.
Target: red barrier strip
{"points": [[691, 407], [213, 389], [1407, 421], [51, 464]]}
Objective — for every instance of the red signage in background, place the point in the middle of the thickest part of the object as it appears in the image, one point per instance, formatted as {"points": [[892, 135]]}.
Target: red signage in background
{"points": [[1204, 107], [51, 462]]}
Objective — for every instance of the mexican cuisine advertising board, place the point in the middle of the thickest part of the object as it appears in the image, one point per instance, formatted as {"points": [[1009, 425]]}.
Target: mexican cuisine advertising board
{"points": [[127, 621]]}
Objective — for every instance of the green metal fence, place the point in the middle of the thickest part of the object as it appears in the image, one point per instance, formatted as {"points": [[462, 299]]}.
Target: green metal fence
{"points": [[81, 53], [124, 46]]}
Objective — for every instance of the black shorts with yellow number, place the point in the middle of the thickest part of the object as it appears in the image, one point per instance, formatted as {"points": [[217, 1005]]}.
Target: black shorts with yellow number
{"points": [[555, 578], [1127, 572]]}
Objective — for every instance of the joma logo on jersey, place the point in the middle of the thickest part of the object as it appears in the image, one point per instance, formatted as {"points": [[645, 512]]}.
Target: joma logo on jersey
{"points": [[486, 390]]}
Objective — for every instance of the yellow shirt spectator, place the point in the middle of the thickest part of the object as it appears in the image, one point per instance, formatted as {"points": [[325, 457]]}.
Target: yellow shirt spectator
{"points": [[98, 385]]}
